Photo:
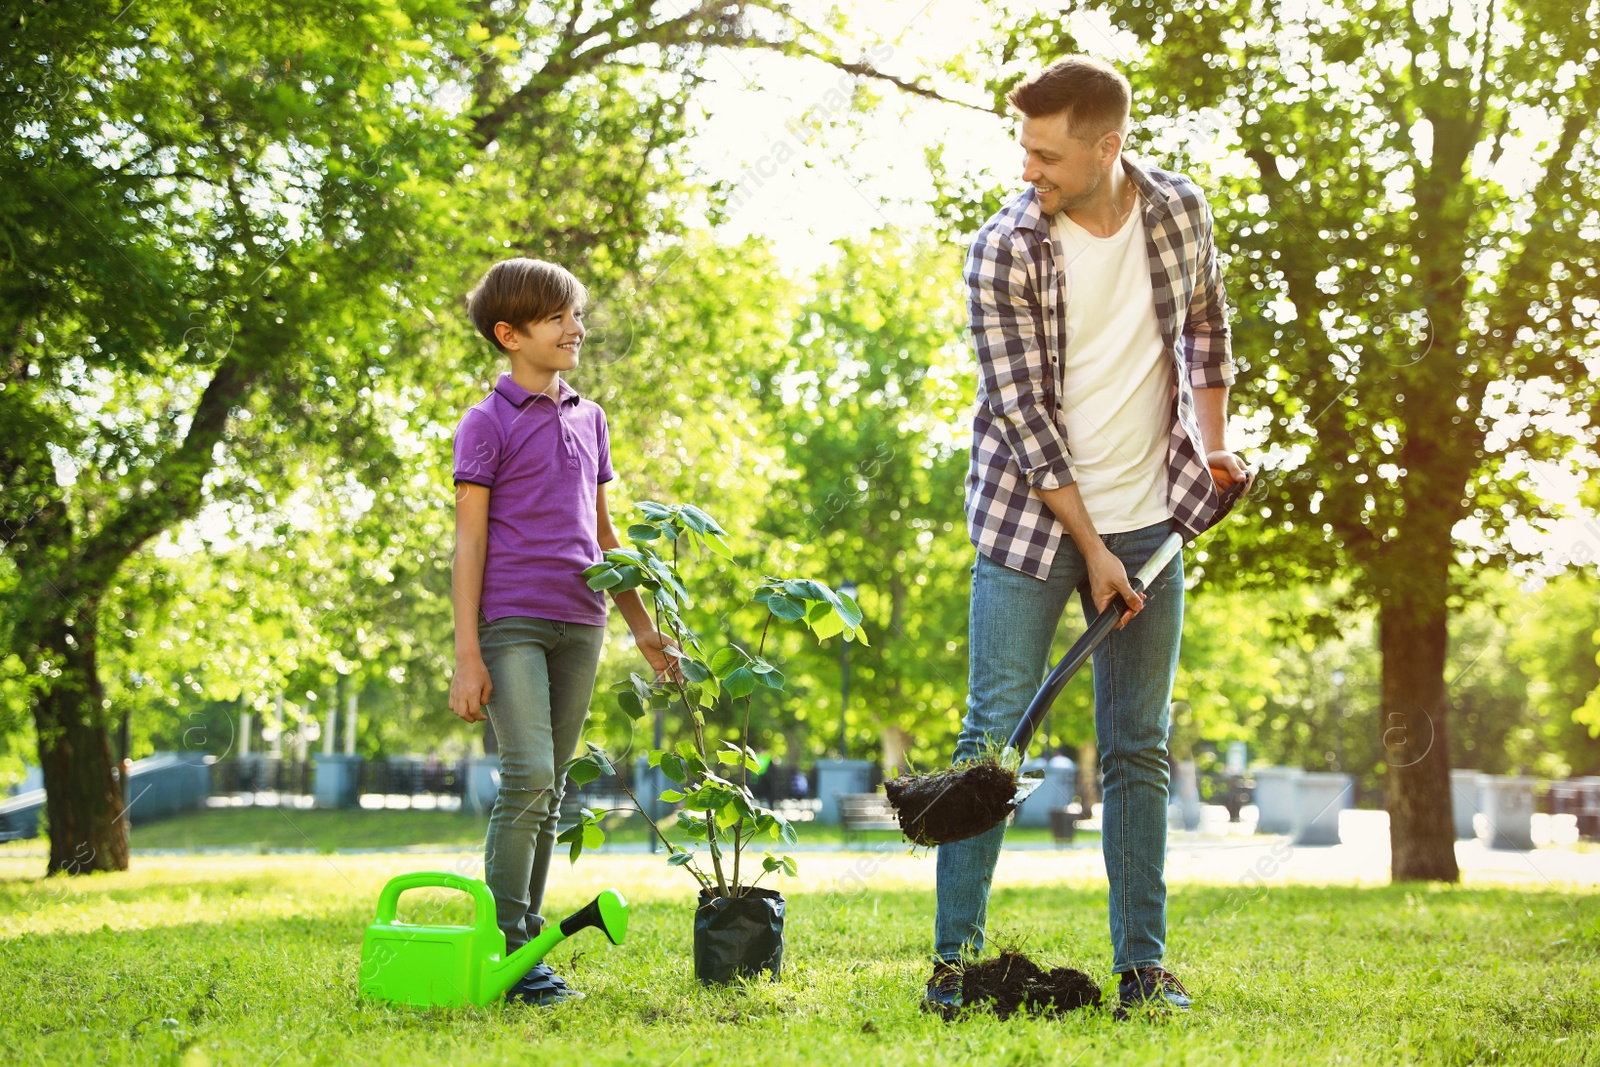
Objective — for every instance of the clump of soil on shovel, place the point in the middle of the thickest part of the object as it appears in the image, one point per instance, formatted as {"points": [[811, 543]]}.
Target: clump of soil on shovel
{"points": [[1011, 981], [952, 804]]}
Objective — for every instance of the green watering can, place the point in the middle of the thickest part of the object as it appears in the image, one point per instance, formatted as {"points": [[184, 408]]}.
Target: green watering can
{"points": [[457, 965]]}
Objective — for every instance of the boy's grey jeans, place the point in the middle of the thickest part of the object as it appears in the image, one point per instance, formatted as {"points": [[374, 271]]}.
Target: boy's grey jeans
{"points": [[543, 675], [1013, 623]]}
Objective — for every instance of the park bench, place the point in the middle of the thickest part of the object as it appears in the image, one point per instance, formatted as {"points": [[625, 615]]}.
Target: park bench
{"points": [[860, 812]]}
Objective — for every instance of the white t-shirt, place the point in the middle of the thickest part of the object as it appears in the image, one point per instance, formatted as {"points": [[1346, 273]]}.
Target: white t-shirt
{"points": [[1117, 380]]}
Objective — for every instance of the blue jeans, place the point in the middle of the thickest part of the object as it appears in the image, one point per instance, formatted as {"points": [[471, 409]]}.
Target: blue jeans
{"points": [[543, 675], [1013, 623]]}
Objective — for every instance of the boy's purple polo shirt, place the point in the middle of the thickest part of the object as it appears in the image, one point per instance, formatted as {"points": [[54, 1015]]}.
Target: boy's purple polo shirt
{"points": [[541, 460]]}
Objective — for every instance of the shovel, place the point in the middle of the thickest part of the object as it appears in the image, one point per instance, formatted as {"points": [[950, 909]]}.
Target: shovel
{"points": [[965, 801]]}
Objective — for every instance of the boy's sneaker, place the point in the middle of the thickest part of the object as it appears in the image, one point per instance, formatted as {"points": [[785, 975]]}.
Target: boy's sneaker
{"points": [[944, 991], [541, 987], [1152, 987]]}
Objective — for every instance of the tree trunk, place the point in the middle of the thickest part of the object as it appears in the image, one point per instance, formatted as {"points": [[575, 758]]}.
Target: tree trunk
{"points": [[82, 781], [1089, 775], [1413, 635]]}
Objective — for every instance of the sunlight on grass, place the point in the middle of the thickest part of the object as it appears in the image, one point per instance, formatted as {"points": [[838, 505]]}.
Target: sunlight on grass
{"points": [[252, 959]]}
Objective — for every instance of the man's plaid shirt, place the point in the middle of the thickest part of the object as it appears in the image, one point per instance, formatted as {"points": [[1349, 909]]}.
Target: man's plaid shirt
{"points": [[1016, 306]]}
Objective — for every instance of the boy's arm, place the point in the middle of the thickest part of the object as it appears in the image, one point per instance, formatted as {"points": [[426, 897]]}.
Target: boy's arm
{"points": [[470, 688], [651, 642]]}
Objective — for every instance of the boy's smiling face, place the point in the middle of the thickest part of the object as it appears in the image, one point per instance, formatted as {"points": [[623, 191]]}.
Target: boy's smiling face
{"points": [[548, 344]]}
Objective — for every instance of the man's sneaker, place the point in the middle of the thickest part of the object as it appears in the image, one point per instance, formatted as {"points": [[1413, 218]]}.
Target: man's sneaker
{"points": [[1152, 987], [541, 987], [944, 991]]}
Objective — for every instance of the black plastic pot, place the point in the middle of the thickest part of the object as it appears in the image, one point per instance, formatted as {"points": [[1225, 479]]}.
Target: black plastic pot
{"points": [[738, 937]]}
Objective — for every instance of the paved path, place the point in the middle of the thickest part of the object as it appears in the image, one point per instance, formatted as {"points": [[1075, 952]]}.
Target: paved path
{"points": [[1221, 853]]}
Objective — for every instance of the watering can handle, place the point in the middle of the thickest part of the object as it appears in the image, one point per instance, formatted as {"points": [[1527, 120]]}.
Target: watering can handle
{"points": [[483, 901]]}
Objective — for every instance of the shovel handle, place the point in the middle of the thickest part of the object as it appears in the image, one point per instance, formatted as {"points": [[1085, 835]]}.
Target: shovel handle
{"points": [[1080, 652], [1106, 621]]}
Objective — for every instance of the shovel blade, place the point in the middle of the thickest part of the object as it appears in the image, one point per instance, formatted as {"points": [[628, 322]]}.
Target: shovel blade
{"points": [[1026, 784]]}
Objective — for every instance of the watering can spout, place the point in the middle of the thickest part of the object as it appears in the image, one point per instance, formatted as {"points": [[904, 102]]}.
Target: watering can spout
{"points": [[607, 913]]}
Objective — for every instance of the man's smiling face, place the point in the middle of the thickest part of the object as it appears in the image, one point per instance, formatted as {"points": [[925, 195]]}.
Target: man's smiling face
{"points": [[1064, 171]]}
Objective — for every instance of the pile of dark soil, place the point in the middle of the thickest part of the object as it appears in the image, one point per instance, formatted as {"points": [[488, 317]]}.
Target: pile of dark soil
{"points": [[952, 804], [1011, 981]]}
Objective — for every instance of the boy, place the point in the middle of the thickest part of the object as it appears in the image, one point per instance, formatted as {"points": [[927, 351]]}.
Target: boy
{"points": [[531, 463]]}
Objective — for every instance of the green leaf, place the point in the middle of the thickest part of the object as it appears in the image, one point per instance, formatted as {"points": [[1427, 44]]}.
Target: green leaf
{"points": [[770, 863], [790, 867], [593, 836], [582, 771], [706, 521], [731, 759], [573, 835], [740, 683], [643, 531], [827, 625], [849, 611], [678, 859], [719, 546], [671, 796], [725, 660], [773, 679], [605, 579], [672, 767], [629, 702], [787, 608]]}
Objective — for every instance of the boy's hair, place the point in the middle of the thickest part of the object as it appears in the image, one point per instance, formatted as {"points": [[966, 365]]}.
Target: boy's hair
{"points": [[1095, 96], [519, 291]]}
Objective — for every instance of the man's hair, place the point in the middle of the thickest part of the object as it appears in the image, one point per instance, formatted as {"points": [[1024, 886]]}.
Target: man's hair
{"points": [[519, 291], [1095, 97]]}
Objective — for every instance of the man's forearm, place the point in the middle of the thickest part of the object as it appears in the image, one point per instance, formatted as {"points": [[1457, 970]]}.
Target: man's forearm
{"points": [[1211, 409], [1067, 505]]}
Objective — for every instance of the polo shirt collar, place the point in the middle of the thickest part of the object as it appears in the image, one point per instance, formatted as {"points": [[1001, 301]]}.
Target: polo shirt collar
{"points": [[518, 396]]}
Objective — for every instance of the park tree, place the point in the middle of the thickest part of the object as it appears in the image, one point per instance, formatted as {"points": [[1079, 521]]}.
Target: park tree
{"points": [[1406, 201], [868, 405], [200, 214]]}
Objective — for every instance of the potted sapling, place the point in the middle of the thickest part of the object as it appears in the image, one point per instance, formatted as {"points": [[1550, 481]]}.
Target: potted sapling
{"points": [[738, 927]]}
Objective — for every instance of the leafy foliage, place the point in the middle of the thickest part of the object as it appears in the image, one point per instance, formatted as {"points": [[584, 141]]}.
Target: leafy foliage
{"points": [[711, 782]]}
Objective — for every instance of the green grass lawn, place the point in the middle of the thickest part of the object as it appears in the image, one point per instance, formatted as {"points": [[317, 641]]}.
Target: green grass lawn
{"points": [[253, 829], [253, 960]]}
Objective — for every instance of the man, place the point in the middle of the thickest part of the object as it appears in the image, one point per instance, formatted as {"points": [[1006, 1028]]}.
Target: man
{"points": [[1098, 316]]}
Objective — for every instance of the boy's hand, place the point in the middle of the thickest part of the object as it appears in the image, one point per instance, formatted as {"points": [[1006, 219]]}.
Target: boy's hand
{"points": [[654, 645], [470, 690]]}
